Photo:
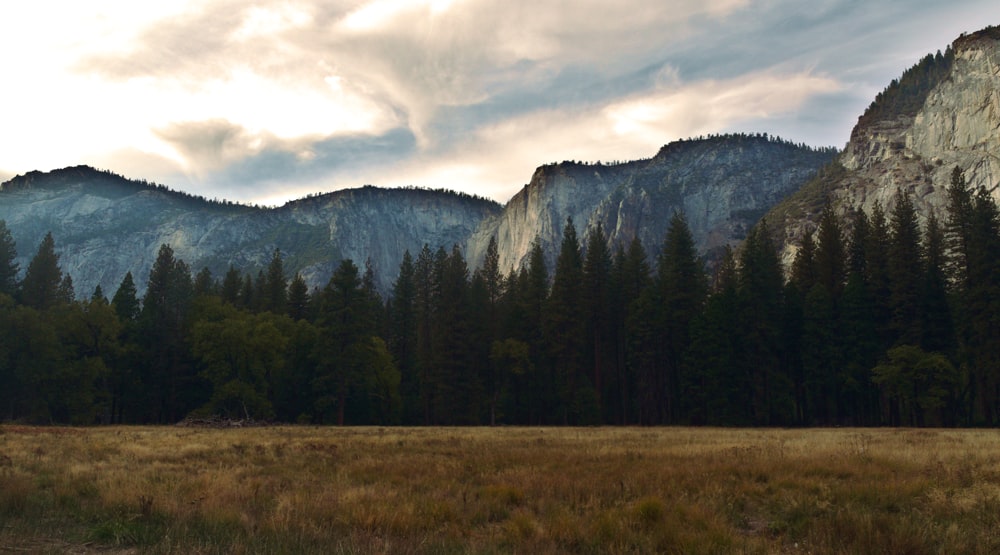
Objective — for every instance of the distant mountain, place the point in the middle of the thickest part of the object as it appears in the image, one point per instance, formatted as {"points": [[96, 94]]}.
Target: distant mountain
{"points": [[942, 113], [105, 225], [723, 184]]}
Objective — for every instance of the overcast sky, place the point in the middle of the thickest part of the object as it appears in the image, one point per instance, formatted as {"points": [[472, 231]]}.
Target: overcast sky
{"points": [[272, 100]]}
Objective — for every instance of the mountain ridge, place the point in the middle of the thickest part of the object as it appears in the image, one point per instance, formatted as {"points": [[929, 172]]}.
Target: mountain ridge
{"points": [[96, 212]]}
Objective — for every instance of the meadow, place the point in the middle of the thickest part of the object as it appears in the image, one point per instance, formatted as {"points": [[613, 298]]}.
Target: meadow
{"points": [[498, 490]]}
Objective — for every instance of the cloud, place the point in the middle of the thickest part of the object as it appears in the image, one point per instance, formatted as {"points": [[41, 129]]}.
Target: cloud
{"points": [[239, 99]]}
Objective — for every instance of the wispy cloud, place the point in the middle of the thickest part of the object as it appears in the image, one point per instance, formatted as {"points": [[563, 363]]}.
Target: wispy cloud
{"points": [[270, 100]]}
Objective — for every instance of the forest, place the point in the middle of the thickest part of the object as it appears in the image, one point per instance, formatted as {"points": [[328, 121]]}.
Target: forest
{"points": [[879, 321]]}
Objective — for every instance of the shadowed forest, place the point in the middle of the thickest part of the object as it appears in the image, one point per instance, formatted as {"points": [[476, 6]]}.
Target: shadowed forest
{"points": [[881, 320]]}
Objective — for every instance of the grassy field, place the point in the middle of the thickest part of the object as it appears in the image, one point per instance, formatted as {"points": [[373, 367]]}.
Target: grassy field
{"points": [[498, 490]]}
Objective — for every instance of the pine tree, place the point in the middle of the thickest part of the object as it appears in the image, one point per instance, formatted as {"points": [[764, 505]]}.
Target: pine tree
{"points": [[457, 390], [125, 302], [725, 394], [425, 287], [564, 323], [275, 285], [231, 284], [41, 286], [937, 329], [683, 286], [347, 324], [204, 284], [298, 298], [633, 278], [596, 298], [490, 284], [403, 339], [904, 271], [8, 268], [760, 308], [831, 256], [163, 322]]}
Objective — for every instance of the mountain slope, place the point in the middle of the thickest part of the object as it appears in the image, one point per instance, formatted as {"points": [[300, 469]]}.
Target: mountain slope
{"points": [[941, 114], [723, 184], [105, 225]]}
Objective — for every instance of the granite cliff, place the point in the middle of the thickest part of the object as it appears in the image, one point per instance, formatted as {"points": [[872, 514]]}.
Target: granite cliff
{"points": [[105, 225], [723, 184], [941, 114]]}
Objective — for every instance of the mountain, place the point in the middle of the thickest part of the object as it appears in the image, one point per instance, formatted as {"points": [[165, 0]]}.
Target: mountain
{"points": [[723, 184], [105, 225], [942, 113]]}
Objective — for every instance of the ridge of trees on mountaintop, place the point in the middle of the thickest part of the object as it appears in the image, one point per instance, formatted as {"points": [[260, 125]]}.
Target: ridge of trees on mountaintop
{"points": [[879, 321]]}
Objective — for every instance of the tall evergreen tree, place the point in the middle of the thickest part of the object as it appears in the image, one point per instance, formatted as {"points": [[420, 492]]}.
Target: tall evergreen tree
{"points": [[43, 279], [456, 386], [125, 302], [683, 287], [491, 283], [8, 268], [904, 271], [760, 308], [403, 339], [564, 327], [596, 298], [231, 285], [275, 286], [937, 328], [425, 287], [298, 298], [347, 324], [171, 379]]}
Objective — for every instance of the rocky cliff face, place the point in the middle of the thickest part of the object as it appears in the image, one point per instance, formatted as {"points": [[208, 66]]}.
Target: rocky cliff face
{"points": [[722, 185], [956, 124], [105, 226]]}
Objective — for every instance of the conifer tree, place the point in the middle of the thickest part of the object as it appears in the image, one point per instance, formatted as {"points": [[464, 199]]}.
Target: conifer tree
{"points": [[904, 271], [633, 278], [937, 329], [125, 302], [43, 279], [347, 324], [403, 339], [275, 287], [564, 323], [760, 308], [596, 297], [298, 298], [231, 285], [204, 284], [170, 379], [683, 287], [8, 268]]}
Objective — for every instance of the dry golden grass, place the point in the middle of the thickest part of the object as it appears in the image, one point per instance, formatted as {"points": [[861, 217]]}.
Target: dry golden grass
{"points": [[498, 490]]}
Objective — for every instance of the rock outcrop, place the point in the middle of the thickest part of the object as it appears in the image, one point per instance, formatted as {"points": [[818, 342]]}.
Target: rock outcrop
{"points": [[956, 123], [722, 184], [105, 225]]}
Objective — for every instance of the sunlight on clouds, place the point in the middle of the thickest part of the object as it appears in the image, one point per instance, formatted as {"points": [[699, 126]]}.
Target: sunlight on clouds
{"points": [[265, 21], [377, 13], [712, 106]]}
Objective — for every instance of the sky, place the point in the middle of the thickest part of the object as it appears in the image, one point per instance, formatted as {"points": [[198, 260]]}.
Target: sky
{"points": [[264, 102]]}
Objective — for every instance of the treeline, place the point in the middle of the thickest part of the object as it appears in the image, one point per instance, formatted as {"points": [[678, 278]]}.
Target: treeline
{"points": [[879, 322], [906, 95]]}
